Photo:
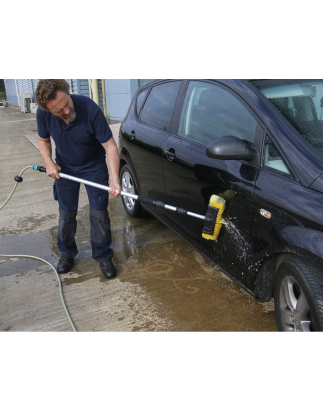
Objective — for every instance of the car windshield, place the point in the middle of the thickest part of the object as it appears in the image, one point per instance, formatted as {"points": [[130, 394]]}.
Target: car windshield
{"points": [[301, 102]]}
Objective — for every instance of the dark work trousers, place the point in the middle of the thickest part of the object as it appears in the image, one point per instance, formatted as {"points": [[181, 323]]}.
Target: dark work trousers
{"points": [[67, 194]]}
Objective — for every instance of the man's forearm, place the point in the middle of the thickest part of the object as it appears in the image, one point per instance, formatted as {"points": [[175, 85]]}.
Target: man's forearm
{"points": [[113, 162], [113, 158], [45, 149]]}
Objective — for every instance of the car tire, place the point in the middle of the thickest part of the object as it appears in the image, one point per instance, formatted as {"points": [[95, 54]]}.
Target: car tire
{"points": [[298, 295], [132, 207]]}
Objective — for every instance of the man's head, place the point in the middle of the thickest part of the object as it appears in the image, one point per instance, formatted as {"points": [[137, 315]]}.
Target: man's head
{"points": [[53, 96]]}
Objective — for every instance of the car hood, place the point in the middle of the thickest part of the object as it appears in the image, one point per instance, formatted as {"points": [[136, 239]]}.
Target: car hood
{"points": [[317, 185]]}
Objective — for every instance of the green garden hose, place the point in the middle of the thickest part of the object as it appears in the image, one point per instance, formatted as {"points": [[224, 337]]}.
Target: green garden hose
{"points": [[19, 179]]}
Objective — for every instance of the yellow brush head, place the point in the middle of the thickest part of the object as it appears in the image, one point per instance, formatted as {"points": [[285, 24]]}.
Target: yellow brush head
{"points": [[216, 204]]}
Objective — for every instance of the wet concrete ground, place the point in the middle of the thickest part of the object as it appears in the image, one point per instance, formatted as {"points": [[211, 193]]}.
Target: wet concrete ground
{"points": [[163, 283]]}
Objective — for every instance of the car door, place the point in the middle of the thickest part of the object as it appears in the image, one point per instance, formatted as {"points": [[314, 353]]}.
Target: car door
{"points": [[147, 139], [210, 111], [284, 210]]}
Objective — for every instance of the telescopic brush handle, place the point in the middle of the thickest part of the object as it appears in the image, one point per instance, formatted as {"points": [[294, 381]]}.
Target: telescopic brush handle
{"points": [[140, 198]]}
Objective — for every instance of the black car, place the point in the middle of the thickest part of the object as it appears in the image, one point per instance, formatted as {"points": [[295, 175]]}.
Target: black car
{"points": [[271, 241]]}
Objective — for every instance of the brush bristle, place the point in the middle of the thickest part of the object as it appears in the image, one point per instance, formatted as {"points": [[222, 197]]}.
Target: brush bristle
{"points": [[219, 203]]}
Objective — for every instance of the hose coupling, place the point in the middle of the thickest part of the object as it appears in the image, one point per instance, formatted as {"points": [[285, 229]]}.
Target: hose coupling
{"points": [[39, 168]]}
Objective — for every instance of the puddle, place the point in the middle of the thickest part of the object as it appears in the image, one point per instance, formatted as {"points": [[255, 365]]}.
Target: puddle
{"points": [[163, 283], [36, 244], [125, 236], [195, 295]]}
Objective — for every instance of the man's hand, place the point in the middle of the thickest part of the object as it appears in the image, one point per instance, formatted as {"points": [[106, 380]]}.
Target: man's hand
{"points": [[52, 170], [117, 188]]}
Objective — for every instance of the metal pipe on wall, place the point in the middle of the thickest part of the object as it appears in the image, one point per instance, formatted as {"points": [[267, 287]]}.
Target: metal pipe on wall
{"points": [[90, 88], [95, 91]]}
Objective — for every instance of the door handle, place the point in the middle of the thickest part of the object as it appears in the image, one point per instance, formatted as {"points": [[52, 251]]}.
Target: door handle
{"points": [[170, 154]]}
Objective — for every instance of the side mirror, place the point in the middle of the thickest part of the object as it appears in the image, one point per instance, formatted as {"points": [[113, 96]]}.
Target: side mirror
{"points": [[230, 148]]}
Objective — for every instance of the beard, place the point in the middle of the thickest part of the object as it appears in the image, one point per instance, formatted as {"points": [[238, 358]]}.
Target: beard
{"points": [[70, 116]]}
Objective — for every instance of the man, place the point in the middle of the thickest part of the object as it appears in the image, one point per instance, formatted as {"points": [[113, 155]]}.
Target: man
{"points": [[83, 139]]}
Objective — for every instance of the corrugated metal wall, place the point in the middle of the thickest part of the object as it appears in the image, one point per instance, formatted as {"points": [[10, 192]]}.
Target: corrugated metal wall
{"points": [[85, 90], [74, 86], [100, 94], [21, 86], [14, 87], [34, 84], [81, 86], [11, 92], [27, 86]]}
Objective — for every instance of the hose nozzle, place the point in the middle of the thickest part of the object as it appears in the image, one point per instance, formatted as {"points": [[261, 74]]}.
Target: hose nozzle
{"points": [[39, 168]]}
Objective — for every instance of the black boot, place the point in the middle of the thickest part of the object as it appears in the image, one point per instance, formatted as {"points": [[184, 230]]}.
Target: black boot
{"points": [[64, 265], [108, 269]]}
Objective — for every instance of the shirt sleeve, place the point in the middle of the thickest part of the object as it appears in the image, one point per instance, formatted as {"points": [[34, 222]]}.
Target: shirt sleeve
{"points": [[102, 130], [41, 124]]}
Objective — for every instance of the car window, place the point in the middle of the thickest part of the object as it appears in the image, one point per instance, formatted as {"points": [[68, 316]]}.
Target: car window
{"points": [[140, 100], [210, 112], [273, 159], [158, 109], [301, 102]]}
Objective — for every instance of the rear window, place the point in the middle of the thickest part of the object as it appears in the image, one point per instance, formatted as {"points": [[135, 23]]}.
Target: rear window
{"points": [[158, 109], [301, 102], [140, 100]]}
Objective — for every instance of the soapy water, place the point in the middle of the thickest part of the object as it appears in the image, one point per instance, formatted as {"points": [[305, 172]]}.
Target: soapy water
{"points": [[238, 239]]}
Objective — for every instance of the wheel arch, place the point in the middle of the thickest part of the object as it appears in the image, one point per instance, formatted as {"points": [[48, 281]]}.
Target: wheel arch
{"points": [[264, 284], [125, 158]]}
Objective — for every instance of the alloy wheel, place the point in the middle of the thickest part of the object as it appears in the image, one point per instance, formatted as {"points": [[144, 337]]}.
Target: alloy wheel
{"points": [[128, 186], [294, 308]]}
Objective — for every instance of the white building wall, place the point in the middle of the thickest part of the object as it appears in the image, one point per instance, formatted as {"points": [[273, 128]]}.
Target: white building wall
{"points": [[119, 94], [118, 97]]}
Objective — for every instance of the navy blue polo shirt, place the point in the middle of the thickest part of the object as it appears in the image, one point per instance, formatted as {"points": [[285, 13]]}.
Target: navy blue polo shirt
{"points": [[79, 143]]}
